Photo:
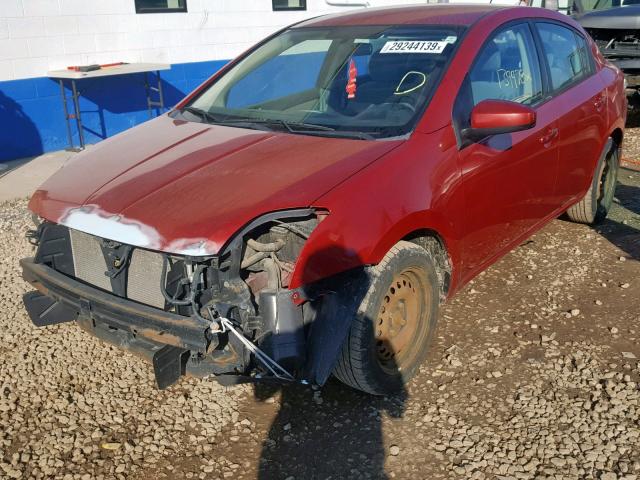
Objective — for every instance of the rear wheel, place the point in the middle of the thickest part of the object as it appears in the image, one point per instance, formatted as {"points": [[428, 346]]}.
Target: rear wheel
{"points": [[595, 205], [394, 324]]}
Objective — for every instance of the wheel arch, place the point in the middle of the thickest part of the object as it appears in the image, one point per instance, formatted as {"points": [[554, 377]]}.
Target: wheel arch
{"points": [[435, 233], [433, 242], [618, 135], [327, 254]]}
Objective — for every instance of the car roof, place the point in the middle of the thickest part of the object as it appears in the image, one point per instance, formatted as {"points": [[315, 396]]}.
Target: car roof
{"points": [[439, 14]]}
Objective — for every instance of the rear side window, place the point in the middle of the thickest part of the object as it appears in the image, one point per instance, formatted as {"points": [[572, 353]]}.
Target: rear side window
{"points": [[507, 68], [566, 53]]}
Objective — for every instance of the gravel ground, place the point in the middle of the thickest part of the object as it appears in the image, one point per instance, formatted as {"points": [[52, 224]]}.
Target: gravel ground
{"points": [[533, 375], [73, 407], [631, 150]]}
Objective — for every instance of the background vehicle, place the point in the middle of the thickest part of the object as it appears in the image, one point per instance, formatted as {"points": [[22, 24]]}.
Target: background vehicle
{"points": [[307, 209], [615, 27]]}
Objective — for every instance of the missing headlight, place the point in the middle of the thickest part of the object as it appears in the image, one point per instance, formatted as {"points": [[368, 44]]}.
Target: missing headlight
{"points": [[270, 252]]}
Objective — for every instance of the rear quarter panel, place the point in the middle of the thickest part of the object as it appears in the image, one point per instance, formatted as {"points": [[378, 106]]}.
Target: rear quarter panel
{"points": [[613, 79]]}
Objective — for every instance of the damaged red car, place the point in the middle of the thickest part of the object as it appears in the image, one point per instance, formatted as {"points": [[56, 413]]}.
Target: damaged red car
{"points": [[307, 209]]}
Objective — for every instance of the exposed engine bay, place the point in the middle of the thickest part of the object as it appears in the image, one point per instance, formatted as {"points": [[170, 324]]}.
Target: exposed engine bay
{"points": [[230, 314]]}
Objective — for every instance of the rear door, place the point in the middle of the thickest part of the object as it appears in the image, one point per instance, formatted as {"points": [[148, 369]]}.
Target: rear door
{"points": [[581, 107], [509, 179]]}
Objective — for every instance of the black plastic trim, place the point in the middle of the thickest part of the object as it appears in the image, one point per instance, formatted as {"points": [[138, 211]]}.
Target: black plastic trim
{"points": [[138, 319]]}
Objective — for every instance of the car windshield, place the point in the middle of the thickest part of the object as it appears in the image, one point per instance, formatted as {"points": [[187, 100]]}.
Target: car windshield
{"points": [[358, 81]]}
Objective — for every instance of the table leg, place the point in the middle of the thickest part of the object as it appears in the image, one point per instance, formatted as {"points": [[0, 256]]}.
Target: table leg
{"points": [[76, 106], [67, 119], [150, 102], [160, 95], [147, 89]]}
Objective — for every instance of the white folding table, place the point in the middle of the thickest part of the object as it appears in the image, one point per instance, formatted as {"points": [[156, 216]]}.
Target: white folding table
{"points": [[73, 76]]}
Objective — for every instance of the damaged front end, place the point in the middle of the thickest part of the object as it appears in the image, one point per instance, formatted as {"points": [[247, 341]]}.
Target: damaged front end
{"points": [[231, 315]]}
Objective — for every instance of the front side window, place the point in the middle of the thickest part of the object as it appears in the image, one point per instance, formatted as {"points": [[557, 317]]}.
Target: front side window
{"points": [[566, 54], [371, 81], [507, 68]]}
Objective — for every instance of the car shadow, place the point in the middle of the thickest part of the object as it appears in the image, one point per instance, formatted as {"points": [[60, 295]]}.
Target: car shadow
{"points": [[19, 137], [332, 431], [628, 197], [621, 226], [633, 116]]}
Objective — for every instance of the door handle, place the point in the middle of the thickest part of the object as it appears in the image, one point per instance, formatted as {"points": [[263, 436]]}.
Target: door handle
{"points": [[549, 135]]}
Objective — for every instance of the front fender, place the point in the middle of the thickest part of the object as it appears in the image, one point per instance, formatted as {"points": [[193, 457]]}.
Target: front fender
{"points": [[413, 188]]}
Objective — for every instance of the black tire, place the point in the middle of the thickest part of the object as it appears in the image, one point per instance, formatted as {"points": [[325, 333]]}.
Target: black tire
{"points": [[368, 363], [595, 205]]}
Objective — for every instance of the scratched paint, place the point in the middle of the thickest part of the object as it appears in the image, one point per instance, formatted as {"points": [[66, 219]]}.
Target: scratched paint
{"points": [[93, 220], [195, 247]]}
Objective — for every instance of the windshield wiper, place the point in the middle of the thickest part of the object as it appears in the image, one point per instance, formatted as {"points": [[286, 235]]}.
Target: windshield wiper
{"points": [[294, 127], [339, 134], [209, 118], [203, 114], [302, 128], [291, 127]]}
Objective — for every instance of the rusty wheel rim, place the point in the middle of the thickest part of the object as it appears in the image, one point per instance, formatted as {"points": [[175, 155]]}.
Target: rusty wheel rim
{"points": [[399, 320]]}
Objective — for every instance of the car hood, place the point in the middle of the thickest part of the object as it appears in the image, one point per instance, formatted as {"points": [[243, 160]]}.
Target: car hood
{"points": [[625, 17], [185, 187]]}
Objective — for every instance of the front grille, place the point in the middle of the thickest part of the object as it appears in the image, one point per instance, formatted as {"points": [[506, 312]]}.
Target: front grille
{"points": [[89, 263], [143, 275], [143, 281]]}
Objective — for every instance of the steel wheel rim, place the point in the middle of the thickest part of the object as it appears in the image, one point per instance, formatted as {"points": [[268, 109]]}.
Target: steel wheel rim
{"points": [[400, 319]]}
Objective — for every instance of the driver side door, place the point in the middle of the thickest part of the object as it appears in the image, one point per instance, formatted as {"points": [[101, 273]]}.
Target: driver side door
{"points": [[508, 179]]}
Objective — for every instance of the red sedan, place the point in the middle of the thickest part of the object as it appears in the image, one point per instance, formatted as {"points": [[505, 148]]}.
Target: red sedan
{"points": [[306, 210]]}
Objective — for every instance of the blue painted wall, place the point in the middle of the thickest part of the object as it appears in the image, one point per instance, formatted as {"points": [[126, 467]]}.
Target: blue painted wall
{"points": [[32, 115], [32, 118]]}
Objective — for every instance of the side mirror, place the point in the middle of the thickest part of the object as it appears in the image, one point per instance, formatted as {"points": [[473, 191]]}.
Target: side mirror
{"points": [[493, 117]]}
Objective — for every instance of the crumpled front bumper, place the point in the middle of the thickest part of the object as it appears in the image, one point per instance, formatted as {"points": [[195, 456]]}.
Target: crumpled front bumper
{"points": [[167, 340], [179, 345], [80, 299]]}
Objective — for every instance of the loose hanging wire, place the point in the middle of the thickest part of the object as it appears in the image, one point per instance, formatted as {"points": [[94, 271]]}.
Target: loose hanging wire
{"points": [[224, 323], [274, 367]]}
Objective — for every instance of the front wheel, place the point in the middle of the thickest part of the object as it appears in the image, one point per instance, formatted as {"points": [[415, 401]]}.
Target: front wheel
{"points": [[595, 205], [394, 324]]}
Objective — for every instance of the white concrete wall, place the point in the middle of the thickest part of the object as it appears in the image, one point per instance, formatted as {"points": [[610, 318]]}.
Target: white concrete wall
{"points": [[41, 35]]}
